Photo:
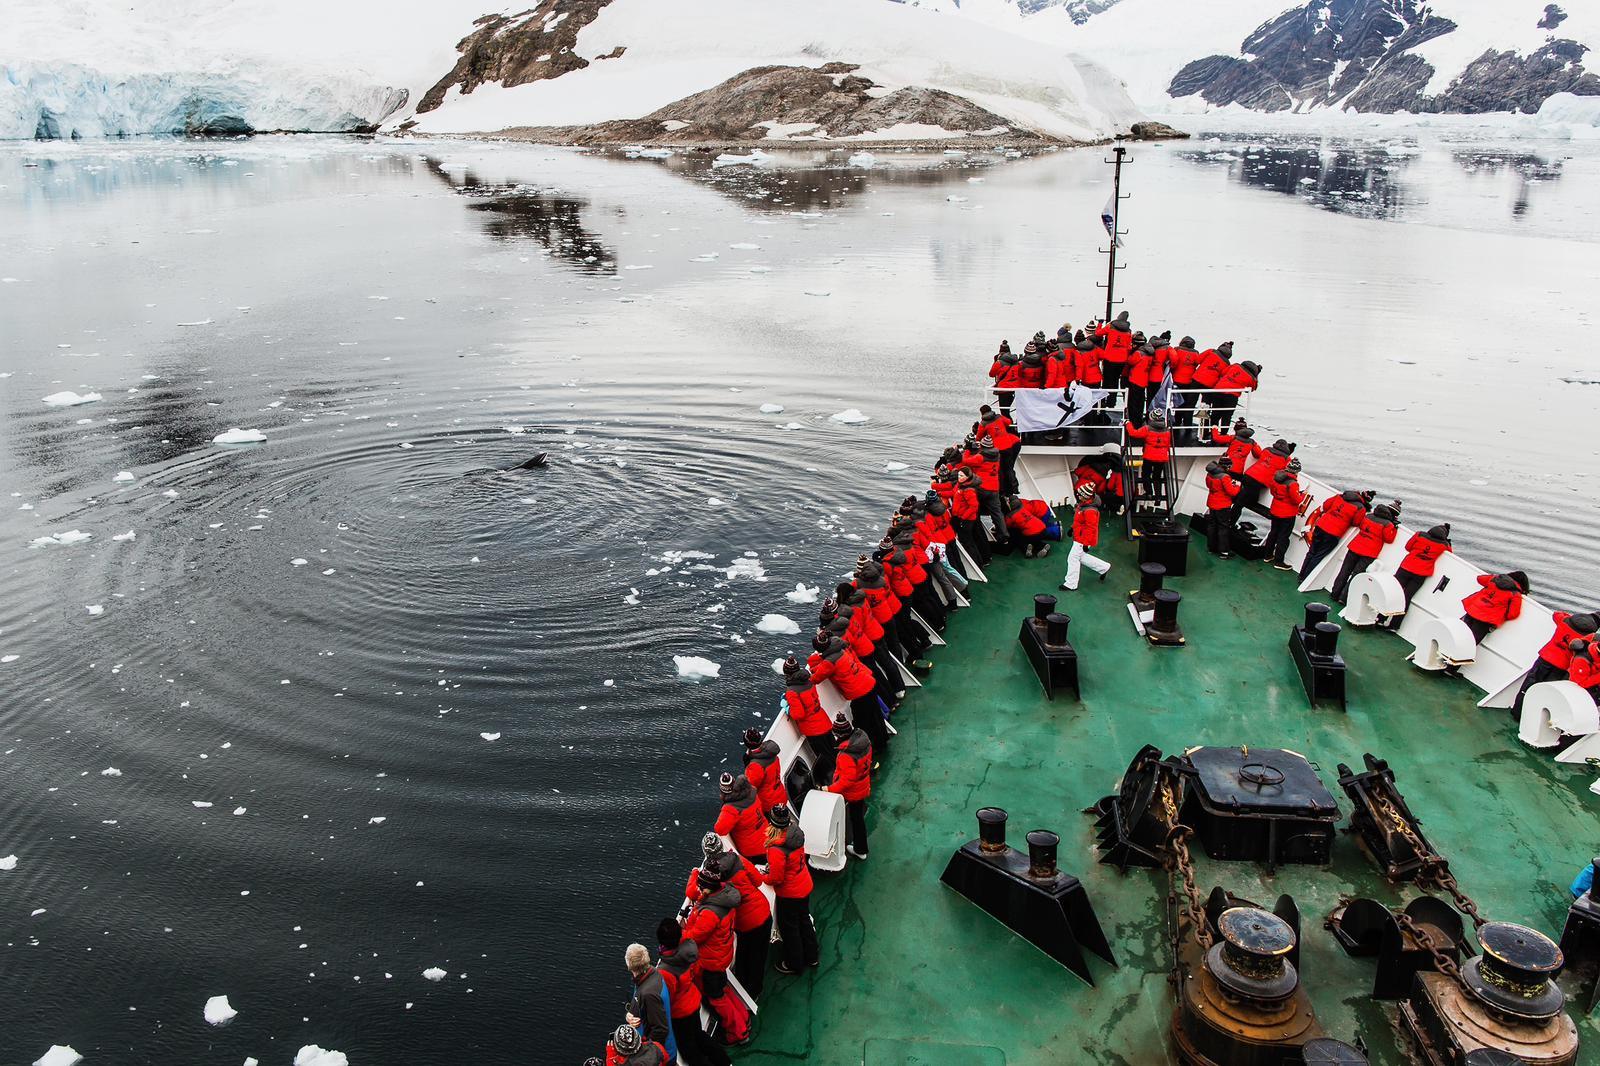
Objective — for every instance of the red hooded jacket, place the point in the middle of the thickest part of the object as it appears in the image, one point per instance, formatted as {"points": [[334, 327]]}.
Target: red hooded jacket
{"points": [[1157, 442], [1422, 555], [710, 926], [805, 710], [1493, 604], [1558, 650], [1373, 534], [852, 774], [1220, 491], [741, 818], [1240, 453], [742, 874], [1335, 515], [764, 770], [1086, 525]]}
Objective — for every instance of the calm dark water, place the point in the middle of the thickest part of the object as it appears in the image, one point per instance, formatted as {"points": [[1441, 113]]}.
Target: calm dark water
{"points": [[400, 321]]}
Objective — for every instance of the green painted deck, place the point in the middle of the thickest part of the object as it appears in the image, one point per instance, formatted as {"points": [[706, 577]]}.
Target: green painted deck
{"points": [[913, 973]]}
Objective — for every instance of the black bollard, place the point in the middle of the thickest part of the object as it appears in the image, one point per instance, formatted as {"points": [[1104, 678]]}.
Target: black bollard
{"points": [[1166, 619], [991, 829], [1325, 641], [1042, 845], [1315, 612], [1043, 604], [1150, 577], [1055, 628]]}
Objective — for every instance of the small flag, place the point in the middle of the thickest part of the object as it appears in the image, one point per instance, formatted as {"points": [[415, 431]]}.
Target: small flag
{"points": [[1108, 218], [1167, 398]]}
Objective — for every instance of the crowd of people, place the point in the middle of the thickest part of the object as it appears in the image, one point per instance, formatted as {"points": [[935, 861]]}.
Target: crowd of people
{"points": [[880, 623]]}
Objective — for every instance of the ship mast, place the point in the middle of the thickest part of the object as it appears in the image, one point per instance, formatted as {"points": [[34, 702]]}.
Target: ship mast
{"points": [[1111, 217]]}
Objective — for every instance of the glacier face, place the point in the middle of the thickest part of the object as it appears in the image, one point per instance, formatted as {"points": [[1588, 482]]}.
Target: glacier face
{"points": [[68, 101]]}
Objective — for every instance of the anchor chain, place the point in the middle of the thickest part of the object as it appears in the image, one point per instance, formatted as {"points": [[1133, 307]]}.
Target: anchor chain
{"points": [[1435, 871], [1442, 962], [1181, 864]]}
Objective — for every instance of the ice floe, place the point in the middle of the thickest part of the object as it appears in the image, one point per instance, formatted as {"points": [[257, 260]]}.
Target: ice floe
{"points": [[70, 399], [298, 562], [8, 863], [312, 1055], [803, 593], [490, 736], [850, 417], [772, 408], [59, 1055], [791, 425], [894, 468], [434, 973], [778, 624], [378, 820], [123, 475], [70, 536], [239, 436], [747, 566], [696, 668], [111, 771], [94, 608], [219, 1011], [129, 535], [202, 804]]}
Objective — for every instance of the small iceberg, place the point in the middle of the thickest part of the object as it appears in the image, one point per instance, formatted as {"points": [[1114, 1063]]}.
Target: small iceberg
{"points": [[772, 408], [312, 1055], [8, 863], [747, 566], [778, 625], [123, 475], [70, 399], [59, 1055], [865, 160], [894, 468], [803, 593], [239, 436], [129, 535], [111, 771], [70, 536], [696, 668], [851, 417], [434, 973], [491, 737], [219, 1011]]}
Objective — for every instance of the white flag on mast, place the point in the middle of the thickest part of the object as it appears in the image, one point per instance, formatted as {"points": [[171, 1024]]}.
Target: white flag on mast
{"points": [[1108, 218]]}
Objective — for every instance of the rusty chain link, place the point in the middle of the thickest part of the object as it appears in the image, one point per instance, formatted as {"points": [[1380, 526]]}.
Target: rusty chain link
{"points": [[1441, 961], [1434, 871], [1181, 863]]}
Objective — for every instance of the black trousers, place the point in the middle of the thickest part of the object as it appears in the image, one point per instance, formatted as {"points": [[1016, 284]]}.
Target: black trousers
{"points": [[799, 935], [971, 538], [1153, 476], [1219, 531], [824, 753], [989, 504], [1322, 545], [1278, 538], [750, 957], [1480, 629], [1410, 584], [1246, 487], [1111, 373], [855, 825], [868, 716], [1136, 398], [927, 604], [1542, 671], [1008, 468], [695, 1048], [1353, 565]]}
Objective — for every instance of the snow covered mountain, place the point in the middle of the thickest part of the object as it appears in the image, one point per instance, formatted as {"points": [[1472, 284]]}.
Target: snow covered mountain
{"points": [[72, 68], [1455, 56]]}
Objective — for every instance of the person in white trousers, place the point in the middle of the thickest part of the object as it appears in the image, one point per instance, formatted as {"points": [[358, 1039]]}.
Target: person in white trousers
{"points": [[1085, 535]]}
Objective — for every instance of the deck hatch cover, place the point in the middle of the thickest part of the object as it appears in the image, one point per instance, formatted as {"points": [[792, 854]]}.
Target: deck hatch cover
{"points": [[1260, 781]]}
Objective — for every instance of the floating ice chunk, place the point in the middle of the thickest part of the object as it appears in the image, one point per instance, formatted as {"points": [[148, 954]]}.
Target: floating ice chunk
{"points": [[219, 1011], [238, 811], [747, 567], [696, 668], [252, 1061], [298, 562], [197, 322], [777, 666], [434, 973], [129, 535], [803, 593], [791, 425], [94, 608], [9, 658], [59, 1055], [111, 771], [818, 292], [954, 199], [851, 417], [8, 863], [171, 494], [772, 408], [312, 1055], [239, 436], [865, 160], [70, 399], [202, 804], [123, 475], [490, 736], [894, 468], [777, 624], [379, 820], [727, 159], [745, 246], [70, 536]]}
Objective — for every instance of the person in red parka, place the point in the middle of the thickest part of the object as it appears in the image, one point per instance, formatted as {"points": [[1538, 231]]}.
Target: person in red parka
{"points": [[1497, 601], [790, 878], [996, 428], [1156, 453], [680, 970], [1259, 474], [1555, 658], [1059, 369], [763, 770], [1236, 379], [628, 1048], [710, 925], [752, 921], [740, 817], [1242, 452], [1025, 518], [1423, 552], [1373, 532], [1090, 370], [1118, 338], [804, 707], [1329, 523], [832, 661], [964, 516], [852, 780], [1137, 380], [1220, 492], [1213, 362], [1031, 374], [1085, 535], [1286, 501], [1003, 371], [1584, 667]]}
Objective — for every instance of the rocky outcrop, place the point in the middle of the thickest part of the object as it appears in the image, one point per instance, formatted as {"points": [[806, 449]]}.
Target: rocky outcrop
{"points": [[532, 45], [779, 102], [1358, 54], [1553, 17], [1155, 131]]}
